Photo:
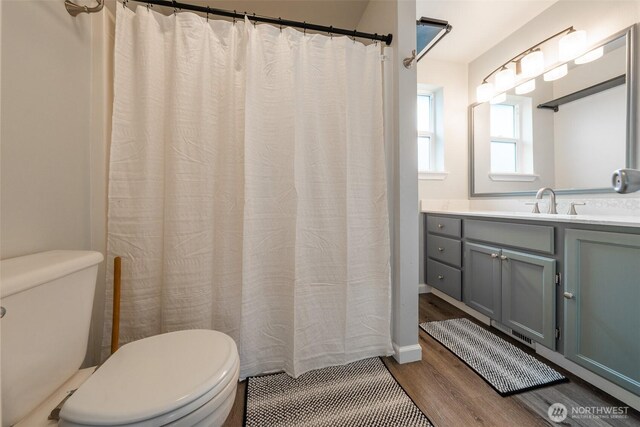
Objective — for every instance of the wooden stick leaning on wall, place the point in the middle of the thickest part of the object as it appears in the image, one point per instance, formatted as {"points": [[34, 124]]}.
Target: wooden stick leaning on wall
{"points": [[115, 325]]}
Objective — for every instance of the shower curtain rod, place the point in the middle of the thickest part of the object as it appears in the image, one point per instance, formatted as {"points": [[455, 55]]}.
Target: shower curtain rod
{"points": [[276, 21]]}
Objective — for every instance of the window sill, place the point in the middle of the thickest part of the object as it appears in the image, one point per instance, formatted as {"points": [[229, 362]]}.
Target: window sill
{"points": [[514, 177], [432, 176]]}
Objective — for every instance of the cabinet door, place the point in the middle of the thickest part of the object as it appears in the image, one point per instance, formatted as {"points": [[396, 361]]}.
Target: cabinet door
{"points": [[482, 279], [528, 296], [602, 300]]}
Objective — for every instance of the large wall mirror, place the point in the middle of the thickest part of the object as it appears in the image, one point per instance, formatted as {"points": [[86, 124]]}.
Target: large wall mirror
{"points": [[569, 134]]}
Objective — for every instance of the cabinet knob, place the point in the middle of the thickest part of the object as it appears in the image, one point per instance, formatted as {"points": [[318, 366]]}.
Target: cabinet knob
{"points": [[568, 295], [504, 258], [440, 226], [494, 255], [440, 249], [440, 277]]}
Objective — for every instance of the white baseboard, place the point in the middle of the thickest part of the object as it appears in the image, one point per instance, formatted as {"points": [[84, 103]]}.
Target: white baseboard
{"points": [[407, 353], [607, 386], [424, 289]]}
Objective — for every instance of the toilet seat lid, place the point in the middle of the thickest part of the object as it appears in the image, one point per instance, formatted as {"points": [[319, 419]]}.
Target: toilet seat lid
{"points": [[153, 376]]}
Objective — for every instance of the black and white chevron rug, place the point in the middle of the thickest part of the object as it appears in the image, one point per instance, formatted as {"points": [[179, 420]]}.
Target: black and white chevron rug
{"points": [[363, 393], [502, 365]]}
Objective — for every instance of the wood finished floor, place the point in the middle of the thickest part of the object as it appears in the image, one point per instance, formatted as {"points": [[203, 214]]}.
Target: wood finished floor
{"points": [[451, 394]]}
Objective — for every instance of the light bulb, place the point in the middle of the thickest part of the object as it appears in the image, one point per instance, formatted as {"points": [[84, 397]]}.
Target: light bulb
{"points": [[533, 64], [484, 92], [556, 73], [505, 79], [590, 56], [498, 99], [526, 87], [572, 45]]}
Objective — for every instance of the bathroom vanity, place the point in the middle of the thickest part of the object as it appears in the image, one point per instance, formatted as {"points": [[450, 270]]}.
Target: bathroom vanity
{"points": [[568, 283]]}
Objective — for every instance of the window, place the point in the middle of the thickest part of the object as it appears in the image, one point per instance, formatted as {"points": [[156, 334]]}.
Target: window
{"points": [[430, 132], [426, 134], [511, 129]]}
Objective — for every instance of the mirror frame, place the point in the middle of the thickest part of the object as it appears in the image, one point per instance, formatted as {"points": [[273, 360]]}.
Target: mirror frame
{"points": [[632, 144]]}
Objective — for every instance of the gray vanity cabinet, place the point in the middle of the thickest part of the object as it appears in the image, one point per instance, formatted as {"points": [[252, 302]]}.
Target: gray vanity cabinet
{"points": [[528, 295], [444, 255], [482, 287], [602, 304], [516, 273], [514, 288]]}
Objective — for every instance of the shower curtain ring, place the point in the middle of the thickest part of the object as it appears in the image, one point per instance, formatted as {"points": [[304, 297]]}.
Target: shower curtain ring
{"points": [[304, 28], [254, 19], [124, 4], [354, 35], [234, 16], [207, 13], [331, 32], [280, 21]]}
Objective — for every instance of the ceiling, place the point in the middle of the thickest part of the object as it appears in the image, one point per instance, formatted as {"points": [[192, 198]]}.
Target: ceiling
{"points": [[338, 13], [478, 25]]}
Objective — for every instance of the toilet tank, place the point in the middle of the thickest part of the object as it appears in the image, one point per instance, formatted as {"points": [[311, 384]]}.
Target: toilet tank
{"points": [[48, 299]]}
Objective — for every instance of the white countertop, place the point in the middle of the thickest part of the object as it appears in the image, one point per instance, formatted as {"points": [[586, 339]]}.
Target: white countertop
{"points": [[620, 221]]}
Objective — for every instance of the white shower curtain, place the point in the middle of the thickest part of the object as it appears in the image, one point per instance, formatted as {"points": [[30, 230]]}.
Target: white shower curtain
{"points": [[247, 189]]}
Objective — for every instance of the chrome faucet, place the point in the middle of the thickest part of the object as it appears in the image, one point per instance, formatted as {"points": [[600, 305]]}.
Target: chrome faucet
{"points": [[552, 199]]}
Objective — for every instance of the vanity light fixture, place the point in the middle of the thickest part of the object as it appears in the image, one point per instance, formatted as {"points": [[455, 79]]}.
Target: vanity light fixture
{"points": [[572, 45], [484, 92], [499, 99], [556, 73], [529, 64], [526, 87], [590, 56], [505, 79], [532, 64]]}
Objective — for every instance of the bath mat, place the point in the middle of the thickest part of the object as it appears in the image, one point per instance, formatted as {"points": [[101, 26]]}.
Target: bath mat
{"points": [[363, 393], [504, 366]]}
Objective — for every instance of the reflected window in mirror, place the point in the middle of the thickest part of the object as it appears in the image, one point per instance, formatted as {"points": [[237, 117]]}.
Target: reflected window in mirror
{"points": [[430, 129], [504, 137], [511, 124]]}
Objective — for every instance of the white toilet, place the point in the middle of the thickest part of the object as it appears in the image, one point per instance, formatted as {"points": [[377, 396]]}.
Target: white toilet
{"points": [[186, 378]]}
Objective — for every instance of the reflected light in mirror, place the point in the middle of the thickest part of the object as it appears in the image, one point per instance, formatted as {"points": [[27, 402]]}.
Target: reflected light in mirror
{"points": [[532, 64], [484, 92], [499, 98], [590, 56], [526, 87], [556, 73], [572, 45], [505, 79]]}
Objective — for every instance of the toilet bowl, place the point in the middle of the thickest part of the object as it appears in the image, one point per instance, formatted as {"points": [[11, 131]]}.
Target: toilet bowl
{"points": [[184, 378], [181, 378]]}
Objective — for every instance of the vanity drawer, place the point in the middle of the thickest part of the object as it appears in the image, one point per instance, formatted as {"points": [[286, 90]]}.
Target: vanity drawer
{"points": [[445, 250], [534, 237], [443, 225], [444, 278]]}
